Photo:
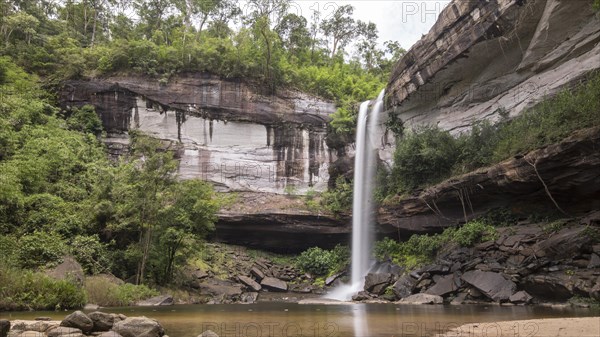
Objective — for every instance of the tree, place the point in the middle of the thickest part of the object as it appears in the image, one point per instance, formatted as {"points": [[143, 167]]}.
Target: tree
{"points": [[293, 33], [341, 27], [367, 47]]}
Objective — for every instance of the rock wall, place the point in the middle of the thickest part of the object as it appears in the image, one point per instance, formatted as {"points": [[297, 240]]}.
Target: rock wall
{"points": [[483, 59], [234, 134]]}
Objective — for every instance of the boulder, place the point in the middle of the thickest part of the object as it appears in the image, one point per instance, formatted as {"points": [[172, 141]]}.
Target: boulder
{"points": [[257, 273], [102, 321], [329, 280], [138, 327], [459, 299], [63, 331], [219, 289], [361, 296], [422, 299], [594, 261], [445, 285], [595, 291], [491, 284], [69, 269], [274, 284], [156, 301], [208, 333], [404, 286], [78, 320], [110, 334], [377, 283], [521, 297], [249, 297], [249, 282], [4, 327], [564, 244]]}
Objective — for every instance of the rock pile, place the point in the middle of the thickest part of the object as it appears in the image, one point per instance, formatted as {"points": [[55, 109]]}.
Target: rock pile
{"points": [[526, 264], [78, 324]]}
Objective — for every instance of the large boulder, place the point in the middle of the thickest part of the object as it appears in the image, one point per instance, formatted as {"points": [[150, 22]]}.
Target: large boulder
{"points": [[4, 327], [492, 285], [63, 331], [564, 244], [274, 284], [377, 283], [445, 285], [69, 270], [110, 334], [404, 286], [102, 321], [156, 301], [422, 299], [78, 320], [138, 327], [249, 283]]}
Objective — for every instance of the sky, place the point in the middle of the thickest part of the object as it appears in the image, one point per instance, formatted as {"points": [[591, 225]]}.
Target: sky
{"points": [[397, 20]]}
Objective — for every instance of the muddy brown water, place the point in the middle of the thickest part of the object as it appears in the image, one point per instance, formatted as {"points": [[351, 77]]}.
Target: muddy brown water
{"points": [[357, 320]]}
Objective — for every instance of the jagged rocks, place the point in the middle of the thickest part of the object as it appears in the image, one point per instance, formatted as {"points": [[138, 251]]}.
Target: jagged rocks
{"points": [[249, 283], [139, 327], [78, 320], [377, 283], [521, 297], [422, 299], [491, 284], [101, 321], [404, 286], [274, 284], [445, 285], [256, 272]]}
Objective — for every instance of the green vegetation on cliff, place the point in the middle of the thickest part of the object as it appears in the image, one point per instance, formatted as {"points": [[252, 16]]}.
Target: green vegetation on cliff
{"points": [[60, 195]]}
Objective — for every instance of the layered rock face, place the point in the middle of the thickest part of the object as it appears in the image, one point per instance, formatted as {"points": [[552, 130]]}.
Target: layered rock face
{"points": [[485, 59], [236, 135]]}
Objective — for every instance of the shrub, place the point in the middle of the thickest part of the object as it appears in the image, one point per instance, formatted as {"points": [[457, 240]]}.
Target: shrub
{"points": [[474, 232], [85, 120], [40, 249], [90, 253], [101, 290], [322, 262], [338, 199]]}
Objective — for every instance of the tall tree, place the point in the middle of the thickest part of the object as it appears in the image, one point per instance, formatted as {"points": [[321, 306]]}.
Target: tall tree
{"points": [[341, 27], [293, 33]]}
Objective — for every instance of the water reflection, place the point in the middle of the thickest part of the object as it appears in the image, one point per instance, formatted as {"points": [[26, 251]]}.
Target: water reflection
{"points": [[361, 324]]}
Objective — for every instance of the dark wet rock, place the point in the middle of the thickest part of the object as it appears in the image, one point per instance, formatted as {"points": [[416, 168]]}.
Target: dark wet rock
{"points": [[362, 296], [249, 283], [139, 327], [422, 299], [102, 321], [564, 244], [274, 284], [445, 285], [404, 286], [459, 299], [547, 287], [521, 297], [78, 320], [594, 261], [4, 327], [493, 285], [157, 301], [377, 283]]}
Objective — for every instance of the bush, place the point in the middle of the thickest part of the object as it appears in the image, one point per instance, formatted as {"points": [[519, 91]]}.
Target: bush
{"points": [[474, 232], [339, 199], [91, 254], [25, 289], [322, 262], [102, 291], [40, 249], [424, 156], [85, 120]]}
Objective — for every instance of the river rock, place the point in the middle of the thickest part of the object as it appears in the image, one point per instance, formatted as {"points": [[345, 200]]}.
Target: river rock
{"points": [[377, 283], [156, 301], [445, 285], [329, 280], [274, 284], [521, 297], [249, 282], [257, 273], [208, 333], [63, 331], [4, 327], [422, 299], [102, 321], [491, 284], [78, 320], [139, 327], [110, 334], [404, 286]]}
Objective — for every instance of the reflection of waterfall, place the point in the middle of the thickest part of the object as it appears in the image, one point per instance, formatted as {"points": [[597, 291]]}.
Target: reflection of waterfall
{"points": [[361, 325], [365, 163]]}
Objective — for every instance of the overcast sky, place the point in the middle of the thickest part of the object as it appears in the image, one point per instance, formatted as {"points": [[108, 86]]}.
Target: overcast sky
{"points": [[398, 20]]}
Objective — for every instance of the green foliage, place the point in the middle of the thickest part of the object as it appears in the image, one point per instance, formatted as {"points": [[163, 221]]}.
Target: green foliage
{"points": [[85, 120], [40, 249], [421, 249], [425, 156], [339, 199], [596, 5], [101, 290], [24, 289], [322, 262], [500, 217], [91, 253]]}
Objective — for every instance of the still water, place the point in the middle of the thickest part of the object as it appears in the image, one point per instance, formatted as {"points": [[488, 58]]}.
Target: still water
{"points": [[357, 320]]}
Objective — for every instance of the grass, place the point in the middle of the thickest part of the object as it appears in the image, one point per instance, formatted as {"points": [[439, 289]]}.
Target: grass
{"points": [[104, 292]]}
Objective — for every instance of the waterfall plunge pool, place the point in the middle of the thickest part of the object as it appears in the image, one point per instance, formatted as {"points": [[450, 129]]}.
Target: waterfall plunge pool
{"points": [[275, 319]]}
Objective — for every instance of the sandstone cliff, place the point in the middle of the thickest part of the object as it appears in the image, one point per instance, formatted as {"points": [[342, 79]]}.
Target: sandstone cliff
{"points": [[485, 58]]}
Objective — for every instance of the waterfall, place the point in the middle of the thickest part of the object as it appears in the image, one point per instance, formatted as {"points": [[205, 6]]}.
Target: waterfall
{"points": [[365, 164]]}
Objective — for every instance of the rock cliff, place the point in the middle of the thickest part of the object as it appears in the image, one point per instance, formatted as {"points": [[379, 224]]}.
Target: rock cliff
{"points": [[483, 59], [235, 134]]}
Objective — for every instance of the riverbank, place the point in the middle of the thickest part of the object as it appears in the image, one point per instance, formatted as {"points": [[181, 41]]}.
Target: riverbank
{"points": [[550, 327]]}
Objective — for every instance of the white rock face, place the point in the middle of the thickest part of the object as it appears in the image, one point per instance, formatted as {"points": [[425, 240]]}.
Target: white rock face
{"points": [[241, 156]]}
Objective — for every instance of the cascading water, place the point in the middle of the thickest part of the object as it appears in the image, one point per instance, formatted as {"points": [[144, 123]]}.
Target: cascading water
{"points": [[365, 162]]}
